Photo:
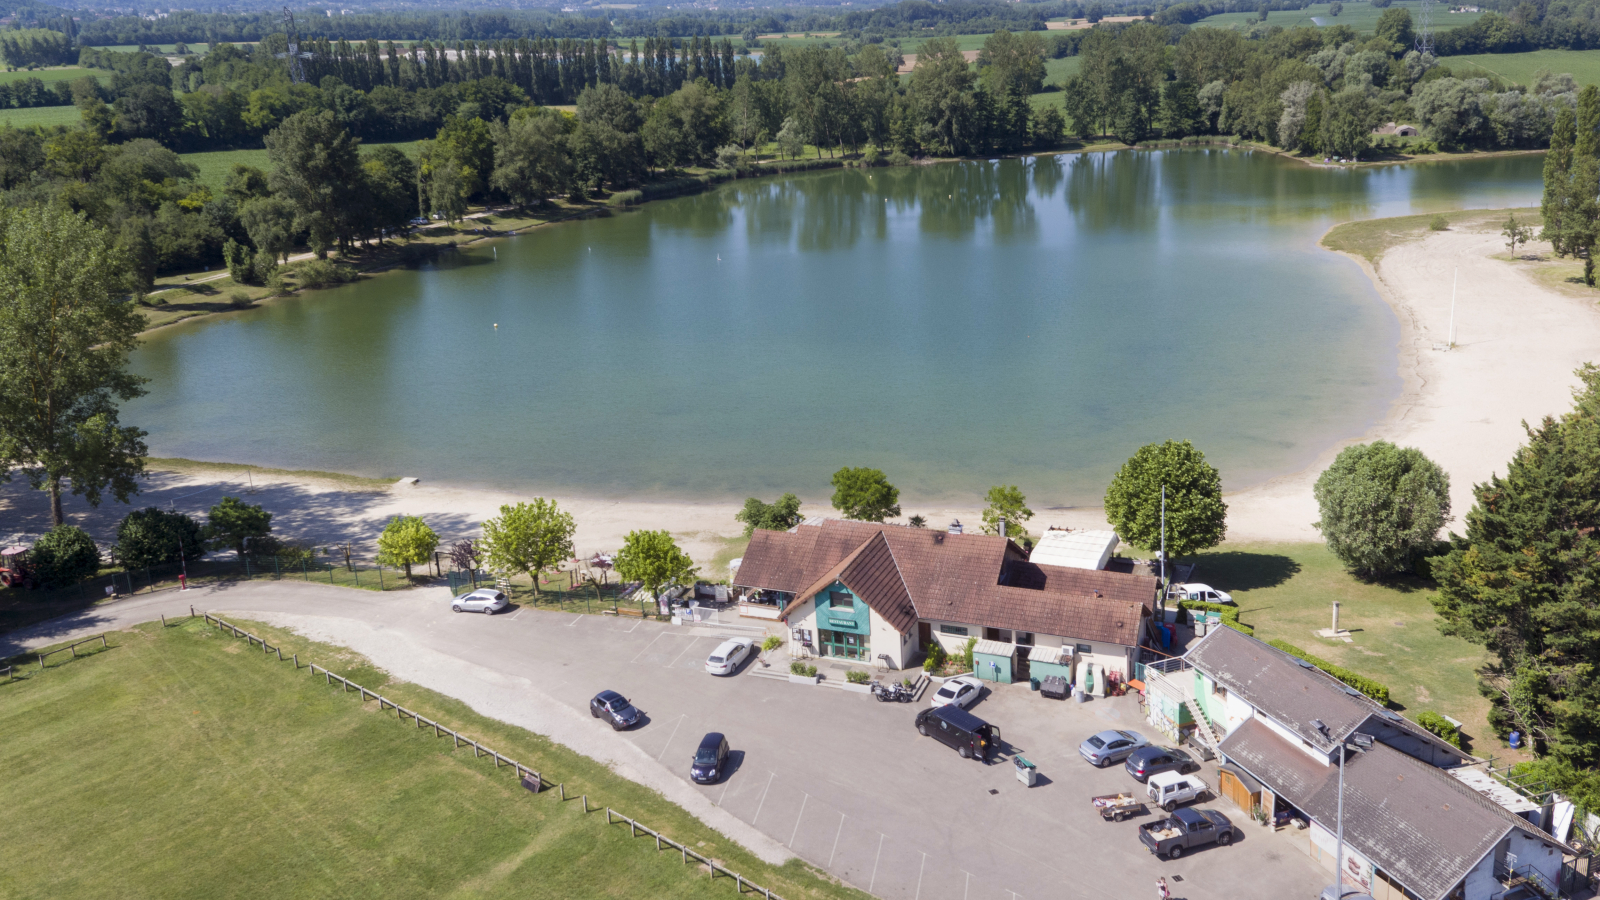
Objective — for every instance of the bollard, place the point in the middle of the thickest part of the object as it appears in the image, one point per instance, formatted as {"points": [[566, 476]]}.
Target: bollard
{"points": [[563, 786], [608, 815]]}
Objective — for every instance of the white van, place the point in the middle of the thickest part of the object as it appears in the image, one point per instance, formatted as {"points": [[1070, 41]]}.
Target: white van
{"points": [[1169, 790]]}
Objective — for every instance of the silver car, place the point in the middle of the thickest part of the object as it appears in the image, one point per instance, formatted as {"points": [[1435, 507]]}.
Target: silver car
{"points": [[484, 600], [1108, 747]]}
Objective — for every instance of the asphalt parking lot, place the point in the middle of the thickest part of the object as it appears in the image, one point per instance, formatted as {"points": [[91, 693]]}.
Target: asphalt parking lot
{"points": [[842, 780]]}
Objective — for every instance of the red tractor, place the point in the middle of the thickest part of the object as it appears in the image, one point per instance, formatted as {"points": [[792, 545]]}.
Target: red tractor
{"points": [[14, 569]]}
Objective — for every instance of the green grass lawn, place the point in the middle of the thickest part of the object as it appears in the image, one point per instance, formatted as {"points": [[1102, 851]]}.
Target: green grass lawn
{"points": [[1363, 17], [67, 73], [40, 115], [179, 764], [1582, 65], [1286, 591], [215, 165]]}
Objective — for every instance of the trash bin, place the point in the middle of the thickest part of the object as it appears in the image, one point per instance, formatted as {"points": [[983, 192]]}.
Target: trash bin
{"points": [[1079, 695], [1033, 684], [1054, 688], [1027, 772]]}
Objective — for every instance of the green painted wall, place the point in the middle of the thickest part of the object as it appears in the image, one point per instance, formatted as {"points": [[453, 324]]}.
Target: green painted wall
{"points": [[852, 619], [992, 668]]}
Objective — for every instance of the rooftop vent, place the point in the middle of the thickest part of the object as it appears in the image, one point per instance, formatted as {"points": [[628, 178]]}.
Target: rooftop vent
{"points": [[955, 527], [1302, 663]]}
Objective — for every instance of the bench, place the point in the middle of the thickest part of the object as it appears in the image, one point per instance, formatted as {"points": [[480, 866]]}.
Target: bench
{"points": [[634, 611]]}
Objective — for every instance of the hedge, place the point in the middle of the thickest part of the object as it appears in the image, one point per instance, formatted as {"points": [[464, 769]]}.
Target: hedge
{"points": [[625, 198], [1373, 689], [1230, 614], [799, 165], [1440, 726]]}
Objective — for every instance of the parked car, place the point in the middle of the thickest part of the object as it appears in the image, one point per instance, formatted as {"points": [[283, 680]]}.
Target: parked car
{"points": [[960, 691], [614, 708], [1204, 593], [484, 600], [729, 654], [1185, 830], [953, 726], [1108, 747], [1150, 759], [1169, 790], [710, 759], [418, 220]]}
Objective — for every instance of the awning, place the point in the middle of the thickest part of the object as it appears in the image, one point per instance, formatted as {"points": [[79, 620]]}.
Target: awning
{"points": [[13, 551], [995, 648], [1250, 784]]}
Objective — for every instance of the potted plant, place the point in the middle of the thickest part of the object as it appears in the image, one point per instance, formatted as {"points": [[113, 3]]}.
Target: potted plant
{"points": [[856, 681], [801, 673]]}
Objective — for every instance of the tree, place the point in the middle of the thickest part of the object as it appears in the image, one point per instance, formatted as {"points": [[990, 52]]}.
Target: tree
{"points": [[316, 166], [790, 143], [1521, 582], [781, 515], [1335, 8], [1516, 233], [531, 157], [1449, 109], [1380, 505], [151, 537], [1196, 515], [406, 541], [1395, 27], [1346, 124], [527, 537], [233, 521], [64, 555], [390, 181], [653, 559], [864, 494], [1006, 502], [65, 335], [464, 554]]}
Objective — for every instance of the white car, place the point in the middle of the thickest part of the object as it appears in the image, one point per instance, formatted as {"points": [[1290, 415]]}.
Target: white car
{"points": [[729, 654], [484, 600], [1204, 593], [959, 691]]}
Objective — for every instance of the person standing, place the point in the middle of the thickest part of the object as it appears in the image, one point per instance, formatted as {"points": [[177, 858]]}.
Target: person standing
{"points": [[1161, 890]]}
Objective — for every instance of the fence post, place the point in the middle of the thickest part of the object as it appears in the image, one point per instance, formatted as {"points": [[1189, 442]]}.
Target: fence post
{"points": [[247, 567], [330, 574], [304, 571], [380, 578], [277, 572], [148, 578], [608, 815], [103, 644], [357, 573]]}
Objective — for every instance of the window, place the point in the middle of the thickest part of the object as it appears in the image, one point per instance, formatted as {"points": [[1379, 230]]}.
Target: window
{"points": [[1025, 639], [1085, 648], [1218, 691], [953, 629], [841, 600]]}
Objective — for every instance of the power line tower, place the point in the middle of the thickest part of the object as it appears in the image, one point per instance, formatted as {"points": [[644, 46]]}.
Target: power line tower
{"points": [[1425, 28], [296, 73]]}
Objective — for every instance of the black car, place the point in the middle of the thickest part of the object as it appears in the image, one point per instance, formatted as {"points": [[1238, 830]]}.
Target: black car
{"points": [[1153, 760], [953, 726], [614, 708], [710, 759]]}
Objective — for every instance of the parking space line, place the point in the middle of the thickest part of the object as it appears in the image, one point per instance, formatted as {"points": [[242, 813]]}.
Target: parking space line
{"points": [[922, 866], [968, 889], [518, 613], [770, 776], [646, 647], [836, 840], [671, 736], [797, 819], [874, 879], [725, 785], [680, 654], [575, 621], [636, 625]]}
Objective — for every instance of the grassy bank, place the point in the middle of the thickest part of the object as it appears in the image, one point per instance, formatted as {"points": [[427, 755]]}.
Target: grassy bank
{"points": [[200, 467], [1286, 592], [178, 765], [1370, 238]]}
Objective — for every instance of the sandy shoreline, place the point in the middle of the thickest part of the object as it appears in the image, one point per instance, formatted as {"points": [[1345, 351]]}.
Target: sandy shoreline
{"points": [[1517, 346]]}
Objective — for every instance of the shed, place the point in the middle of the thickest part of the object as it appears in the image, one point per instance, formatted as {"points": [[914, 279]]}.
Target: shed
{"points": [[1074, 549], [994, 661], [1046, 661], [1237, 785]]}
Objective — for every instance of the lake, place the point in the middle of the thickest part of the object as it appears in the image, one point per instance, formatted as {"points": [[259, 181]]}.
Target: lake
{"points": [[1034, 325]]}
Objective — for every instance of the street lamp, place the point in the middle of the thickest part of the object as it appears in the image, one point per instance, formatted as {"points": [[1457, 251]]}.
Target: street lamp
{"points": [[1360, 743]]}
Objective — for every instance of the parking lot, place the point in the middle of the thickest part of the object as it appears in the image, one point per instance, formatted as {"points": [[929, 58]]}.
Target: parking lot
{"points": [[842, 780]]}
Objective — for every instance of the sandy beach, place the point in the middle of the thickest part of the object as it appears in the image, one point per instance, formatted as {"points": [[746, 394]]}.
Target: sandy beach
{"points": [[1517, 344]]}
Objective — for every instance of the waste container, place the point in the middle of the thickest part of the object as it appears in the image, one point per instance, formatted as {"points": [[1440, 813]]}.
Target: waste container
{"points": [[1033, 684], [1027, 772], [1054, 687]]}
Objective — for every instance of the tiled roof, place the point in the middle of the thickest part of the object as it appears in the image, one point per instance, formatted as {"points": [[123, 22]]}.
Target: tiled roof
{"points": [[1414, 821], [964, 578]]}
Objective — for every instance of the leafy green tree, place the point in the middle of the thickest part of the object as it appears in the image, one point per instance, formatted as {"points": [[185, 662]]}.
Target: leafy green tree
{"points": [[269, 221], [232, 521], [65, 335], [151, 537], [1395, 27], [1522, 582], [1196, 515], [390, 181], [1008, 60], [532, 159], [527, 537], [865, 494], [64, 555], [781, 515], [316, 166], [1006, 502], [1346, 124], [1380, 505], [406, 541], [653, 559], [1516, 233]]}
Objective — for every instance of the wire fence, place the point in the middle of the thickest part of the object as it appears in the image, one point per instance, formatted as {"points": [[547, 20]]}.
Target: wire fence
{"points": [[531, 779], [560, 593]]}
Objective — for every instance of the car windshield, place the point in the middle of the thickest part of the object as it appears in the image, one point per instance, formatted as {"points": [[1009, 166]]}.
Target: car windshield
{"points": [[947, 691], [1095, 742], [715, 659], [618, 705], [705, 756]]}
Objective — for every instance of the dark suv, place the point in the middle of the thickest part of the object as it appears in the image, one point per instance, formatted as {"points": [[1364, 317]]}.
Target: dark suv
{"points": [[953, 726], [1153, 760], [615, 709], [710, 759]]}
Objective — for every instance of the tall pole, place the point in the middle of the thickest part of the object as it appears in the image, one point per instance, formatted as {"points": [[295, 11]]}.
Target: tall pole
{"points": [[1453, 282], [1163, 539], [1338, 857]]}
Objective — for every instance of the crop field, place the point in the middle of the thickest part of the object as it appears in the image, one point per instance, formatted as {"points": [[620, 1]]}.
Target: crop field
{"points": [[40, 115], [1363, 17], [1582, 65]]}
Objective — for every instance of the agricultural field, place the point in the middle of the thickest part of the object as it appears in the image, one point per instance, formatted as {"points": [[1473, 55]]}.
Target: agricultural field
{"points": [[1582, 65], [1363, 17], [174, 764], [45, 116], [48, 76], [215, 165]]}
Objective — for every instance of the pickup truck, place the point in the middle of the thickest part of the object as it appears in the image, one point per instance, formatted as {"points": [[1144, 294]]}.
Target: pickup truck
{"points": [[1170, 790], [1186, 829]]}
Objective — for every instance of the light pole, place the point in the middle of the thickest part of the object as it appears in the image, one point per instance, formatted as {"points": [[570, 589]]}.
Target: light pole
{"points": [[1360, 743]]}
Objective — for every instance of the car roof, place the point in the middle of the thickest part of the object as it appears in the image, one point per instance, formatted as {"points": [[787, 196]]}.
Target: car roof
{"points": [[1112, 734], [712, 739], [1188, 815], [959, 717], [729, 644], [1165, 778], [608, 695]]}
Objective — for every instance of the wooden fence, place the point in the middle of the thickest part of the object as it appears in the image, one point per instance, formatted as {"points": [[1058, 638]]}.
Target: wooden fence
{"points": [[531, 779], [72, 648]]}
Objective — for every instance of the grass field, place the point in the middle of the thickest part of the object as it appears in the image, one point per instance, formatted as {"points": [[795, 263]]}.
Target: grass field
{"points": [[178, 765], [48, 76], [1582, 65], [40, 115], [1363, 17], [215, 165], [1371, 237], [1286, 591]]}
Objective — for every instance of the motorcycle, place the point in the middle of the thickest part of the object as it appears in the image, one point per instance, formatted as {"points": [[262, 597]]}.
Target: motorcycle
{"points": [[894, 693]]}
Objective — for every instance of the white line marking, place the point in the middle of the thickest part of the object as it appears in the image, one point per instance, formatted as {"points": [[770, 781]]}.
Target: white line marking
{"points": [[518, 613], [725, 786], [924, 865], [680, 654], [796, 832], [646, 647], [575, 621], [670, 737], [836, 839], [763, 800], [636, 625], [874, 879], [965, 893]]}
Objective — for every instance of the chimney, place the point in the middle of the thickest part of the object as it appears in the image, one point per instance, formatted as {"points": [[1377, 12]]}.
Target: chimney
{"points": [[955, 527]]}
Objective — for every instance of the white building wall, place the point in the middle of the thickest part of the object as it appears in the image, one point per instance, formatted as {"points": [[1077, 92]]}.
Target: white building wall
{"points": [[1480, 883], [804, 617], [898, 647], [1541, 855]]}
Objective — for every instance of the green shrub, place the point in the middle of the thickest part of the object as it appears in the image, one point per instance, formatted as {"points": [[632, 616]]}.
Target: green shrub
{"points": [[799, 667], [936, 658], [316, 273], [899, 158], [626, 198], [240, 299], [64, 556], [1230, 614], [1439, 223], [772, 643], [966, 653], [1440, 726], [1378, 692], [856, 676], [151, 536]]}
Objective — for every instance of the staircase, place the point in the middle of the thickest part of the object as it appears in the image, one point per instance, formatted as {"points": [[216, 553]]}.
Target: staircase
{"points": [[1204, 732], [1175, 681], [1527, 882]]}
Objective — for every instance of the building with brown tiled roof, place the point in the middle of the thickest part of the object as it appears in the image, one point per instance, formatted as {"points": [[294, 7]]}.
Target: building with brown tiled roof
{"points": [[885, 593]]}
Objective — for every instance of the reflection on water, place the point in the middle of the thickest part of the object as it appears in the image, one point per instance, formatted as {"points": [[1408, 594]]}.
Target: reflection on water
{"points": [[957, 324]]}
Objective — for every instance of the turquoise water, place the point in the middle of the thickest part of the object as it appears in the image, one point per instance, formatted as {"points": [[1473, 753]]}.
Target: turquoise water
{"points": [[956, 325]]}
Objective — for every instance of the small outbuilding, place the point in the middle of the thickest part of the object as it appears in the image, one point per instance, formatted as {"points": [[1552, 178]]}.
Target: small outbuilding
{"points": [[1044, 662], [994, 661], [1397, 130]]}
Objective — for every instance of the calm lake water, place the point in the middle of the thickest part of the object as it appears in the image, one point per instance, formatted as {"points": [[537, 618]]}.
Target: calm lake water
{"points": [[960, 325]]}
